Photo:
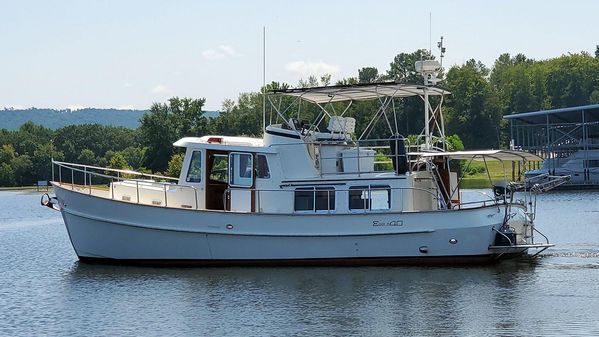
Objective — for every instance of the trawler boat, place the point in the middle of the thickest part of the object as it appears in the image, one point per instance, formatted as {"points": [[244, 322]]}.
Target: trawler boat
{"points": [[305, 193]]}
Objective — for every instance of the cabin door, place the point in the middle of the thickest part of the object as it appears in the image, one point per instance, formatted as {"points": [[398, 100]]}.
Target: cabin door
{"points": [[241, 181]]}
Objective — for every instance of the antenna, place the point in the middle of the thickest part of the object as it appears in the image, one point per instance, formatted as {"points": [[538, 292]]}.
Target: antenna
{"points": [[264, 79], [430, 33], [442, 50]]}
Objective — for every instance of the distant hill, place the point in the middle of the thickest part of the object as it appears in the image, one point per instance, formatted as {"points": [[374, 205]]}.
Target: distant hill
{"points": [[12, 119]]}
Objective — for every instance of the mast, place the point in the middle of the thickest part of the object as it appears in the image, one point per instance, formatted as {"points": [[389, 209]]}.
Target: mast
{"points": [[429, 70], [427, 133], [263, 80]]}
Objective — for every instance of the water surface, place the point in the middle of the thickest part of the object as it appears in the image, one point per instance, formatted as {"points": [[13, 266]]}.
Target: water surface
{"points": [[44, 290]]}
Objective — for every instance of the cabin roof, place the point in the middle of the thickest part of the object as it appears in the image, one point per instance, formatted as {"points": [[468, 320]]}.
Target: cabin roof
{"points": [[364, 91], [224, 140], [227, 143]]}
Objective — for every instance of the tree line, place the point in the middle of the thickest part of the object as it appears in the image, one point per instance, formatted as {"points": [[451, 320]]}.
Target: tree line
{"points": [[473, 115]]}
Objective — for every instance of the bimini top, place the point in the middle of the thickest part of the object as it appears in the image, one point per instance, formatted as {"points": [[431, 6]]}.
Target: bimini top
{"points": [[502, 155], [338, 93]]}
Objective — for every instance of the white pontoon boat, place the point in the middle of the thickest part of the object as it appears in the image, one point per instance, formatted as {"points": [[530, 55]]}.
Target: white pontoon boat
{"points": [[304, 194]]}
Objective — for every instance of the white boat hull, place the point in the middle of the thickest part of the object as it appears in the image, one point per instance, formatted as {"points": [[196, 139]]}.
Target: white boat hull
{"points": [[111, 231]]}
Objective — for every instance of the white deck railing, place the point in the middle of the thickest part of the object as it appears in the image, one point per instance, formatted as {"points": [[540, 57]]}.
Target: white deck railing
{"points": [[161, 191]]}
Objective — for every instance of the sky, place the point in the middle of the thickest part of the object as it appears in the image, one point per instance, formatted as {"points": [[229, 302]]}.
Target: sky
{"points": [[129, 54]]}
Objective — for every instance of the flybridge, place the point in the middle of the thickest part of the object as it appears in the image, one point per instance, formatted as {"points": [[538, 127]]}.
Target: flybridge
{"points": [[384, 92]]}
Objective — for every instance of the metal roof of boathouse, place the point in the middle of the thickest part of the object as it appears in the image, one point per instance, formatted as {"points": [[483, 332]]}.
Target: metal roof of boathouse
{"points": [[568, 115]]}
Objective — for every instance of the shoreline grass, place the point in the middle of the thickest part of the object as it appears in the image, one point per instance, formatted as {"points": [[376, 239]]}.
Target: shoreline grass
{"points": [[27, 188]]}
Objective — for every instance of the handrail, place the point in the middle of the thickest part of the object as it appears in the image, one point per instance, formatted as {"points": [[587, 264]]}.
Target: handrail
{"points": [[164, 186], [142, 186], [543, 235], [68, 165], [484, 202]]}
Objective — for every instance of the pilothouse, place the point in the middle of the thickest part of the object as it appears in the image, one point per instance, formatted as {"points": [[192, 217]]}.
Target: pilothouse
{"points": [[308, 192]]}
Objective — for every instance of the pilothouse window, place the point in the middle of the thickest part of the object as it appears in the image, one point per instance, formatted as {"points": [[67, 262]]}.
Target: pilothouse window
{"points": [[218, 174], [241, 166], [315, 199], [262, 170], [372, 197], [194, 173]]}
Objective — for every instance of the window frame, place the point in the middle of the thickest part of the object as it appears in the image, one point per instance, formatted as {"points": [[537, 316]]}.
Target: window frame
{"points": [[217, 157], [266, 165], [368, 189], [233, 174], [189, 168], [330, 199], [592, 163]]}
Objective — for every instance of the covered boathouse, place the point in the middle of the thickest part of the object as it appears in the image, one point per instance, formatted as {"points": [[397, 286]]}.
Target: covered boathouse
{"points": [[567, 138]]}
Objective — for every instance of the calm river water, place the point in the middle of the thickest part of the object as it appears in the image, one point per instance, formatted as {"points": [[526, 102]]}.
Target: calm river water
{"points": [[44, 290]]}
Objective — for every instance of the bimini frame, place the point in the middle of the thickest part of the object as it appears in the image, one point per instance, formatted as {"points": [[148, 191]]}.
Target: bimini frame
{"points": [[384, 92]]}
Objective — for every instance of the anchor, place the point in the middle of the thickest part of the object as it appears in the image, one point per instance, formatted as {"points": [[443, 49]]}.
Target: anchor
{"points": [[50, 202]]}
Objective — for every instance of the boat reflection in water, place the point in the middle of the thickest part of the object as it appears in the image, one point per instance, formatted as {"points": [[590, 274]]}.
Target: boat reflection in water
{"points": [[335, 301]]}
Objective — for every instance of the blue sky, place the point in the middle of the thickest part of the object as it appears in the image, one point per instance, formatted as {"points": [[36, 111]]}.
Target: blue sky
{"points": [[128, 54]]}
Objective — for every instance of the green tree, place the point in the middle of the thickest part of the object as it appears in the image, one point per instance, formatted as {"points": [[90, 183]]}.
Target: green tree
{"points": [[348, 81], [135, 156], [368, 75], [594, 98], [42, 159], [473, 109], [98, 138], [166, 123], [7, 172], [174, 165], [86, 157], [7, 175], [118, 161], [15, 169], [243, 117], [402, 68]]}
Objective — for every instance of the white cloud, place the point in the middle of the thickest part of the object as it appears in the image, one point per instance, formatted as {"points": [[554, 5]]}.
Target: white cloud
{"points": [[127, 85], [229, 50], [13, 106], [75, 107], [211, 54], [305, 69], [221, 52], [126, 107], [160, 89]]}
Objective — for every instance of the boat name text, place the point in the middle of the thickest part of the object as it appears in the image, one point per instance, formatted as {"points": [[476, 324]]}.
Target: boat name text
{"points": [[387, 223]]}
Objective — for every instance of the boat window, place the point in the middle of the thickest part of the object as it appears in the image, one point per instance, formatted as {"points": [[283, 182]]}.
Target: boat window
{"points": [[241, 167], [219, 168], [262, 170], [380, 197], [371, 197], [325, 198], [304, 199], [194, 173], [593, 163], [315, 199]]}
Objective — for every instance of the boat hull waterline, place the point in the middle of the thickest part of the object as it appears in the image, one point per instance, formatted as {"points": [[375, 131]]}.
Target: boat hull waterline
{"points": [[109, 231]]}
